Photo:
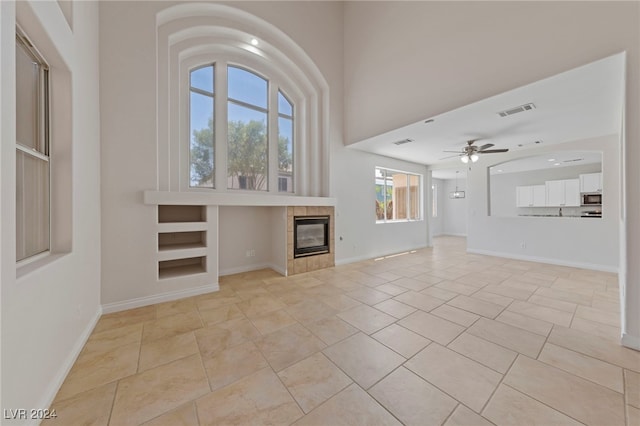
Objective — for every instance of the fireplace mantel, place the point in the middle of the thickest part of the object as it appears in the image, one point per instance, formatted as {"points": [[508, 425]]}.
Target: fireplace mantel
{"points": [[202, 198]]}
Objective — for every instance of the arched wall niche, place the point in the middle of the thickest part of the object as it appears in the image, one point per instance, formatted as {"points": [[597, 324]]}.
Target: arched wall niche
{"points": [[195, 33]]}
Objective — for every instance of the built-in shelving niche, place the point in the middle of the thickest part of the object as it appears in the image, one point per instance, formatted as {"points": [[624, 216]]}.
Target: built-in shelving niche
{"points": [[180, 214], [180, 267], [182, 241]]}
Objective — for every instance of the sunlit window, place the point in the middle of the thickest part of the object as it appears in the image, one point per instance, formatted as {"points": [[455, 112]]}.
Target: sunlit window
{"points": [[202, 127], [285, 144], [434, 200], [248, 133], [397, 195]]}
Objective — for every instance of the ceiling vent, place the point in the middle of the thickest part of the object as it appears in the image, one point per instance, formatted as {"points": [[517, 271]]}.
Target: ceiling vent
{"points": [[516, 110], [403, 141], [530, 143]]}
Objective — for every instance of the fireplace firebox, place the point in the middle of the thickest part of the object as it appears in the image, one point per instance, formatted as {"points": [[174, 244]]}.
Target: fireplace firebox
{"points": [[310, 235]]}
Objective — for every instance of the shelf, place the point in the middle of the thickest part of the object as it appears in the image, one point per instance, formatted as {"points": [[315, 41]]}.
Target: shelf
{"points": [[179, 214], [183, 246], [182, 267], [181, 240], [182, 227], [204, 198], [171, 254]]}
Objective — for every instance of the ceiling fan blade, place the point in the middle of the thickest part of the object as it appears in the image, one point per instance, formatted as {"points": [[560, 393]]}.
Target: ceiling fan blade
{"points": [[451, 156], [455, 151], [485, 146], [492, 151]]}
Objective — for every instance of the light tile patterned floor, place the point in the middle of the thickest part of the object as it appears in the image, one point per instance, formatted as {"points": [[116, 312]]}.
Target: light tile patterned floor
{"points": [[432, 337]]}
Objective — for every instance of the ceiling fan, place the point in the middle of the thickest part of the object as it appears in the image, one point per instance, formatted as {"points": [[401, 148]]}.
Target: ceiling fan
{"points": [[471, 151]]}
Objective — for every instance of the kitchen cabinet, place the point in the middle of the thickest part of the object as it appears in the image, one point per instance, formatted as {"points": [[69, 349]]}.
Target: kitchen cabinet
{"points": [[563, 193], [591, 183], [531, 196]]}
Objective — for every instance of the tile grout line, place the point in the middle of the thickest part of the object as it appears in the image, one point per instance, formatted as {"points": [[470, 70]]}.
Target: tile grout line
{"points": [[543, 403]]}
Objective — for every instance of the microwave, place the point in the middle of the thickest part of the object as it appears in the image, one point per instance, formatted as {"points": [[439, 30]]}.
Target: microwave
{"points": [[591, 199]]}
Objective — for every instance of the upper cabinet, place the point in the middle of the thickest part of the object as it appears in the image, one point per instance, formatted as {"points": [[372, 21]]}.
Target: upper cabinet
{"points": [[563, 193], [531, 196], [591, 182]]}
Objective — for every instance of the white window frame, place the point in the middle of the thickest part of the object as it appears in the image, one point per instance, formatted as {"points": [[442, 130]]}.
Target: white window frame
{"points": [[408, 198], [434, 200], [43, 132], [276, 82]]}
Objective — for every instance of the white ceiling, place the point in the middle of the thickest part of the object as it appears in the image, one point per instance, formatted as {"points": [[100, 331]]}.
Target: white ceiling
{"points": [[578, 104]]}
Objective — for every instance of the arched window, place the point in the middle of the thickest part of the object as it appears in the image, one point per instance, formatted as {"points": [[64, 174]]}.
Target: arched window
{"points": [[236, 113], [247, 131], [285, 144], [201, 127]]}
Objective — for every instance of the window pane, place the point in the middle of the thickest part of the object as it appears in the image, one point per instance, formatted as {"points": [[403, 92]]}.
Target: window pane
{"points": [[247, 152], [27, 84], [284, 106], [399, 201], [202, 78], [383, 196], [434, 200], [32, 205], [247, 87], [285, 154], [202, 137], [414, 197]]}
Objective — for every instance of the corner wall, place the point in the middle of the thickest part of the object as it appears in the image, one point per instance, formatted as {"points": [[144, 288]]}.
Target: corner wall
{"points": [[48, 313]]}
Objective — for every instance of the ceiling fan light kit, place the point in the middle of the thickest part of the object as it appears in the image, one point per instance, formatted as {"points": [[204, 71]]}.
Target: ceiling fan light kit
{"points": [[470, 152], [465, 158]]}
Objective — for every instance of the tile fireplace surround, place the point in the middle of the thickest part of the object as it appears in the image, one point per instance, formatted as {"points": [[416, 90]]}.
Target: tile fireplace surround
{"points": [[315, 262]]}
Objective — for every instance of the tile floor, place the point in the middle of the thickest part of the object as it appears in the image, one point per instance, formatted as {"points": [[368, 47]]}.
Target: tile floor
{"points": [[433, 337]]}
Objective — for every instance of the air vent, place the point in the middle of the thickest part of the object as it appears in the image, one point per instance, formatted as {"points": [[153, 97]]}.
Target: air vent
{"points": [[573, 161], [521, 108], [530, 143], [403, 141]]}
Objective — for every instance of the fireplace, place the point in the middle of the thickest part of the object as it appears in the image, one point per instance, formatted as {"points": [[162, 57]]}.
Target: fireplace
{"points": [[310, 235]]}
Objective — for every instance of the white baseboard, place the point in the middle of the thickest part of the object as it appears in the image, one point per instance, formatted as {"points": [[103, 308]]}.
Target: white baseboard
{"points": [[552, 261], [158, 298], [254, 267], [63, 371], [374, 256], [630, 341]]}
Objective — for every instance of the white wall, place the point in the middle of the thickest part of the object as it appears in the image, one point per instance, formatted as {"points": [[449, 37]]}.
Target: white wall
{"points": [[352, 183], [588, 243], [455, 209], [473, 50], [437, 223], [243, 229], [48, 312]]}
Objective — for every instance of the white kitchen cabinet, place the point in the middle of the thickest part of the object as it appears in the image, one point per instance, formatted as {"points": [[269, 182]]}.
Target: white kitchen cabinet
{"points": [[531, 196], [572, 193], [591, 183], [524, 197], [563, 193], [539, 195]]}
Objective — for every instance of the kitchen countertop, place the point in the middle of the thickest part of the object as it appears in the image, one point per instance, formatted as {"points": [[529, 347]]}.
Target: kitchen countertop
{"points": [[552, 215]]}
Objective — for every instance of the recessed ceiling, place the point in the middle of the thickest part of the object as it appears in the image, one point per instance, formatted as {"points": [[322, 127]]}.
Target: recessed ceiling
{"points": [[582, 103]]}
